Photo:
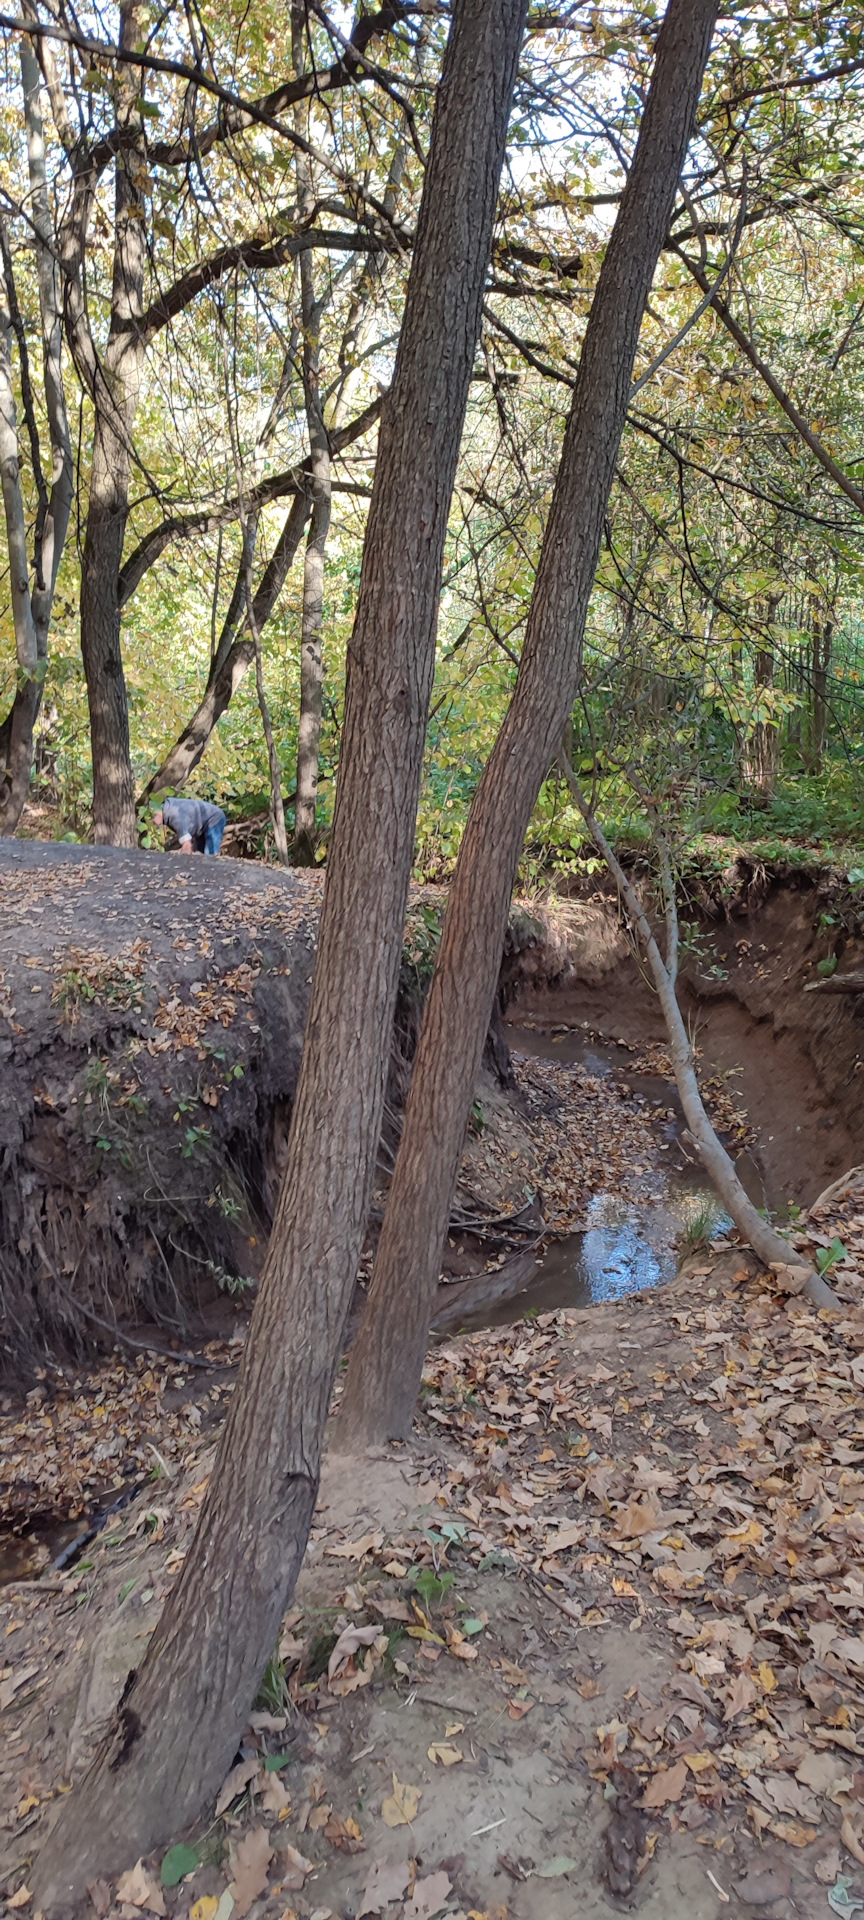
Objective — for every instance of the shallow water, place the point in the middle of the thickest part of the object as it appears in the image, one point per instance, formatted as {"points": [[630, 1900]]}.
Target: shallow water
{"points": [[626, 1247]]}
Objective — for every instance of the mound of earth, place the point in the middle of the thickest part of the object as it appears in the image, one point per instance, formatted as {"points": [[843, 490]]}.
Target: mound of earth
{"points": [[151, 1023]]}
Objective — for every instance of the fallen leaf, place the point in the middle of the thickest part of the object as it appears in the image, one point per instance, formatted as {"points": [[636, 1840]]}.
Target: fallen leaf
{"points": [[666, 1785], [442, 1755], [348, 1643], [386, 1882], [274, 1797], [100, 1897], [137, 1888], [556, 1868], [851, 1841], [828, 1868], [793, 1833], [820, 1771], [344, 1834], [235, 1783], [740, 1696], [517, 1709], [23, 1898], [293, 1868], [356, 1549], [429, 1896], [178, 1861], [205, 1908], [399, 1808], [8, 1690], [250, 1860]]}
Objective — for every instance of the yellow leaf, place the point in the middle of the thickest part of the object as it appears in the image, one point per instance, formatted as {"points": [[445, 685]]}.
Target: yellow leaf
{"points": [[767, 1677], [204, 1908], [24, 1806], [400, 1807], [442, 1755], [20, 1899], [699, 1762]]}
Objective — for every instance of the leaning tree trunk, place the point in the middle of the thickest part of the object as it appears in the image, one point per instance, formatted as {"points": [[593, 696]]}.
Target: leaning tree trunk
{"points": [[768, 1245], [175, 1731], [115, 400], [387, 1358]]}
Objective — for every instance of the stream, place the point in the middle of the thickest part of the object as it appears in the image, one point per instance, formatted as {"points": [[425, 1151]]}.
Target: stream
{"points": [[623, 1249]]}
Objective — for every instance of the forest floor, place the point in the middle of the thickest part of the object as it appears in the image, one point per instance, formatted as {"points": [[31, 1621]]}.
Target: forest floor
{"points": [[592, 1641]]}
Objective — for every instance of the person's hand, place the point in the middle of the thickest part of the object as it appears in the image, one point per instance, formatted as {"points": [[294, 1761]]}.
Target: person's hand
{"points": [[186, 846]]}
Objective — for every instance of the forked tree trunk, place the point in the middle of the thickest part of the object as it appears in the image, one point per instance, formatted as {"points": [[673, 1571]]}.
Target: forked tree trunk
{"points": [[233, 658], [387, 1358], [175, 1732]]}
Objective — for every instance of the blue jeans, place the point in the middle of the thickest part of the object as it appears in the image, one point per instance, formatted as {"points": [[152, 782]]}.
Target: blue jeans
{"points": [[211, 840]]}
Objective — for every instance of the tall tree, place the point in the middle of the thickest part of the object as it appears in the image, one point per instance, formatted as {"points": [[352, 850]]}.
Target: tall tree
{"points": [[175, 1730], [32, 604], [387, 1358]]}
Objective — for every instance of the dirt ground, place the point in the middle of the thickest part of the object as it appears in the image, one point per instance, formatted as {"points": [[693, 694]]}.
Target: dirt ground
{"points": [[592, 1642]]}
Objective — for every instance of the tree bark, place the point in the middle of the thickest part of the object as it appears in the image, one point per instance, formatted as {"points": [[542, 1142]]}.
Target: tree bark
{"points": [[277, 805], [115, 400], [174, 1733], [311, 662], [32, 603], [387, 1359], [823, 633]]}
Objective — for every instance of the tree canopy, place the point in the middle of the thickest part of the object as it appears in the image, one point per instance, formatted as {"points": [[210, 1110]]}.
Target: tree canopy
{"points": [[234, 192]]}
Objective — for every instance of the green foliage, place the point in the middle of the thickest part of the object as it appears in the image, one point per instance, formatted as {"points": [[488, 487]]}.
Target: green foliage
{"points": [[177, 1862], [430, 1585]]}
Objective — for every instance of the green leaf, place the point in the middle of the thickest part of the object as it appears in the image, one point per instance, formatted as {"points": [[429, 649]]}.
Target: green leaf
{"points": [[472, 1626], [178, 1861], [826, 1256], [274, 1762], [149, 108], [125, 1591]]}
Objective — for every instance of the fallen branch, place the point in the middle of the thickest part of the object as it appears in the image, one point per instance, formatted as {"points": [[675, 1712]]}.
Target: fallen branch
{"points": [[456, 1303], [837, 983]]}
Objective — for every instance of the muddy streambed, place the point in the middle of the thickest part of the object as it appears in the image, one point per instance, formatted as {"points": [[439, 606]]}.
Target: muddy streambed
{"points": [[627, 1246]]}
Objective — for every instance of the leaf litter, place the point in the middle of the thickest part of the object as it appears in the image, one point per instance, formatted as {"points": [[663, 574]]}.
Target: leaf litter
{"points": [[684, 1471]]}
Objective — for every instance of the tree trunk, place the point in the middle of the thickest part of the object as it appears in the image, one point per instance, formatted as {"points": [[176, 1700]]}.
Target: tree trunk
{"points": [[233, 658], [311, 662], [823, 633], [761, 753], [760, 1235], [277, 805], [387, 1358], [115, 400], [174, 1733], [16, 735]]}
